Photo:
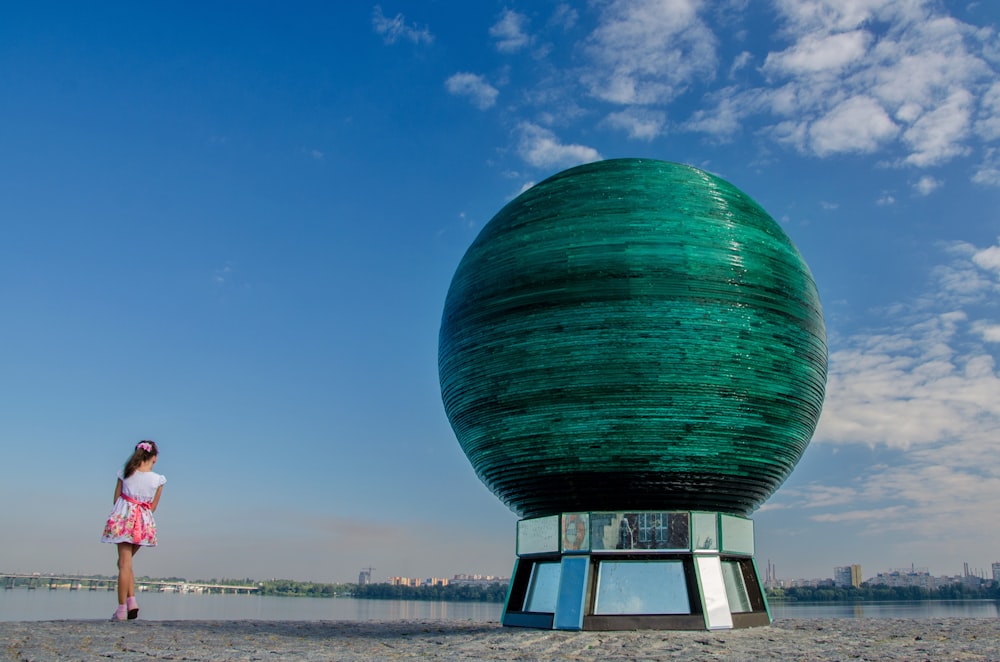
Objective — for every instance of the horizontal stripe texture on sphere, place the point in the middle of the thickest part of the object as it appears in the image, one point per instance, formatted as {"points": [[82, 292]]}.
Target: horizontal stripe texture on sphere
{"points": [[632, 335]]}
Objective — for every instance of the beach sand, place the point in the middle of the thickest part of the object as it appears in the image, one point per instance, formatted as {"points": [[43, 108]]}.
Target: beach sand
{"points": [[789, 639]]}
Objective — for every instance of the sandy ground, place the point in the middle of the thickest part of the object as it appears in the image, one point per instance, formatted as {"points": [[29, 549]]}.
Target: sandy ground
{"points": [[791, 639]]}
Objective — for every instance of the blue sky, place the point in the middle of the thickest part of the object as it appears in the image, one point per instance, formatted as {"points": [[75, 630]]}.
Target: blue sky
{"points": [[231, 229]]}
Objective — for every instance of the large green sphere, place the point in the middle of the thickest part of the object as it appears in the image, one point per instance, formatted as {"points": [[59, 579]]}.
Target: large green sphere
{"points": [[632, 335]]}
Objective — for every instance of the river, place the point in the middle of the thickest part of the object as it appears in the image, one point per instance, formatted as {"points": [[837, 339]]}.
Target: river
{"points": [[20, 604]]}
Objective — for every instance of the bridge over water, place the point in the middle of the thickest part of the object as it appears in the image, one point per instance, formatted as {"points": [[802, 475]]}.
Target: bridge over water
{"points": [[76, 583]]}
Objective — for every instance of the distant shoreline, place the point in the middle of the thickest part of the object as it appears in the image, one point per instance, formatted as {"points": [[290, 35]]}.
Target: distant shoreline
{"points": [[788, 639], [495, 592]]}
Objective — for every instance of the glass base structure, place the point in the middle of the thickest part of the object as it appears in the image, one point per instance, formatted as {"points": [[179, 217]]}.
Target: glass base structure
{"points": [[666, 570]]}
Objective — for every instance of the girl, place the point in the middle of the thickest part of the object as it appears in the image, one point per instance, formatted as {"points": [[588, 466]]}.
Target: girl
{"points": [[131, 525]]}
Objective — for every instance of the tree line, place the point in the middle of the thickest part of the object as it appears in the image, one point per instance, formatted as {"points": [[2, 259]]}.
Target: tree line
{"points": [[451, 592], [880, 592], [478, 592]]}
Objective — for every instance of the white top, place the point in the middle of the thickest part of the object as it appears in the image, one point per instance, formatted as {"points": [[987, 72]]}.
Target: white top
{"points": [[141, 485]]}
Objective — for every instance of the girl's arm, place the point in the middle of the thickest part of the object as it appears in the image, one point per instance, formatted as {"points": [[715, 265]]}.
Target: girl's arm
{"points": [[156, 499], [118, 490]]}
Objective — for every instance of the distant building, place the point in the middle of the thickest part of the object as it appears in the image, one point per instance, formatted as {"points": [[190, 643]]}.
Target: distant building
{"points": [[414, 582], [972, 579], [913, 576], [848, 575], [904, 577], [365, 577], [478, 579], [809, 583], [771, 576], [996, 572]]}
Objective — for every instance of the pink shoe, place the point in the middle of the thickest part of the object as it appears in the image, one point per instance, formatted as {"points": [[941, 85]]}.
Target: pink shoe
{"points": [[120, 614], [133, 607]]}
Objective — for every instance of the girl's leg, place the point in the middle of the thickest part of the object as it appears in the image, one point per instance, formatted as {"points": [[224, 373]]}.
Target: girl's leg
{"points": [[126, 579], [131, 587], [131, 605]]}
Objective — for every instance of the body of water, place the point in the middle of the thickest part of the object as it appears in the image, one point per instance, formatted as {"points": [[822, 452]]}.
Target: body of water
{"points": [[20, 604], [901, 609]]}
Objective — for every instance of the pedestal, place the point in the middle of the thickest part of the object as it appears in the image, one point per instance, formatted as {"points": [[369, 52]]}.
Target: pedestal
{"points": [[635, 570]]}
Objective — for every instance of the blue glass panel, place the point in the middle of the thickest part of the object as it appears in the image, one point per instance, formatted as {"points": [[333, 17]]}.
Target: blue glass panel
{"points": [[572, 593], [543, 589], [641, 587]]}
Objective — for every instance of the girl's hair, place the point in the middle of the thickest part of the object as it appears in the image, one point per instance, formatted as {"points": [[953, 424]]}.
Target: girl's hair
{"points": [[144, 450]]}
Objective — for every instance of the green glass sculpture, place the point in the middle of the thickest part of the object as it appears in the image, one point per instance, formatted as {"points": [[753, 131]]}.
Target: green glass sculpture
{"points": [[632, 335]]}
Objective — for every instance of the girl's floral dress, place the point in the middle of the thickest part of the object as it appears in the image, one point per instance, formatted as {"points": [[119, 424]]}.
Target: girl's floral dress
{"points": [[131, 519]]}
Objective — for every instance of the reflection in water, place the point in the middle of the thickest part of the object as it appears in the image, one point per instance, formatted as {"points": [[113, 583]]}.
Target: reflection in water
{"points": [[917, 609], [23, 605]]}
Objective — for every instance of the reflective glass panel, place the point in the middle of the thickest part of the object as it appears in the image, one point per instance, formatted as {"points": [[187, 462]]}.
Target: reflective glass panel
{"points": [[604, 528], [574, 532], [736, 590], [652, 531], [713, 591], [641, 587], [705, 531], [538, 536], [737, 535], [543, 590]]}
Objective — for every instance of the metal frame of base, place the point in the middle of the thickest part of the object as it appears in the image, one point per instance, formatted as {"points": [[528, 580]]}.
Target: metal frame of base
{"points": [[635, 570]]}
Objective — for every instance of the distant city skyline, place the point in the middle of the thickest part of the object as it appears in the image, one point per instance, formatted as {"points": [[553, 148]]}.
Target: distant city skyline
{"points": [[233, 232], [769, 574]]}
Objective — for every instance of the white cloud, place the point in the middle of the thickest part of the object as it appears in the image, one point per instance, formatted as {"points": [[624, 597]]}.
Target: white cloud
{"points": [[836, 15], [923, 394], [223, 274], [939, 134], [926, 185], [903, 74], [524, 187], [873, 515], [987, 176], [564, 16], [475, 87], [961, 281], [638, 123], [988, 332], [858, 124], [740, 62], [988, 171], [988, 125], [928, 380], [815, 53], [509, 32], [725, 118], [823, 496], [885, 199], [395, 28], [540, 148], [648, 51], [988, 259]]}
